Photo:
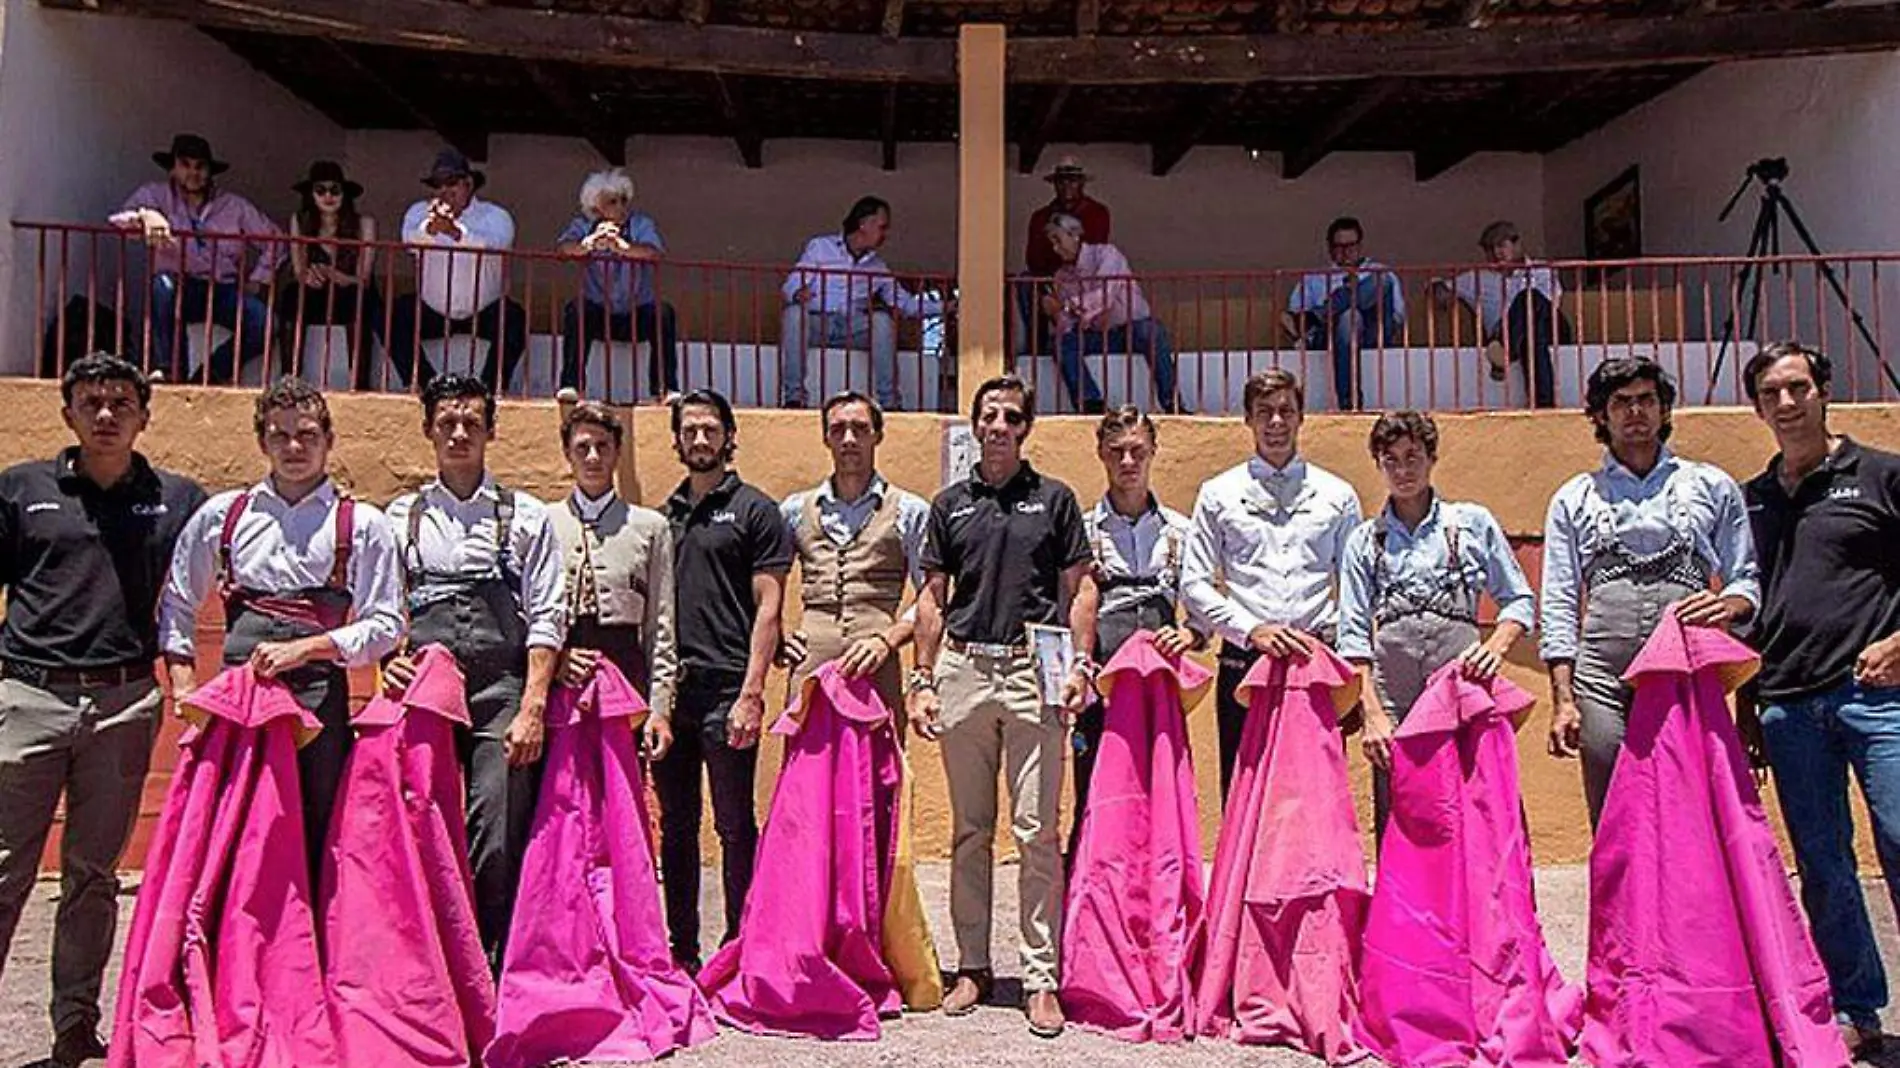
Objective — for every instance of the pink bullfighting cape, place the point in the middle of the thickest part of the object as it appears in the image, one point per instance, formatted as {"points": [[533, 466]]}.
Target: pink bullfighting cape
{"points": [[1454, 968], [1699, 956], [221, 967], [407, 979], [809, 959], [588, 976], [1288, 896], [1133, 924]]}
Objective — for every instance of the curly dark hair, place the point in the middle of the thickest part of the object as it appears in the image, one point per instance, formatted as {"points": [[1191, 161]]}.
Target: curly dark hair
{"points": [[1820, 368], [290, 393], [592, 413], [1394, 427], [1615, 373], [456, 387], [104, 367]]}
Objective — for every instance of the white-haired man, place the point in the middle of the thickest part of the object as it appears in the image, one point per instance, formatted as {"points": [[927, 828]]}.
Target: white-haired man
{"points": [[618, 301]]}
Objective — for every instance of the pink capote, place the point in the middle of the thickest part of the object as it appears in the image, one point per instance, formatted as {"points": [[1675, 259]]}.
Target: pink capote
{"points": [[1134, 919], [1698, 953], [407, 979], [221, 965], [588, 975], [808, 961], [1288, 896], [1454, 968]]}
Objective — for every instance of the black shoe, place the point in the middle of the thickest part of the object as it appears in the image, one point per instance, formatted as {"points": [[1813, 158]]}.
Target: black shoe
{"points": [[76, 1045]]}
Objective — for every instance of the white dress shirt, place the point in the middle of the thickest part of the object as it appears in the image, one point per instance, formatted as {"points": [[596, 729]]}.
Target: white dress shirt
{"points": [[1151, 545], [1490, 292], [1265, 546], [279, 547], [457, 281], [844, 284], [458, 538], [1645, 513]]}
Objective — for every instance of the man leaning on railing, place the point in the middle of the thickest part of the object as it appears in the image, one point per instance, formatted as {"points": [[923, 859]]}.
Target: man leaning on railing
{"points": [[195, 277], [1098, 308]]}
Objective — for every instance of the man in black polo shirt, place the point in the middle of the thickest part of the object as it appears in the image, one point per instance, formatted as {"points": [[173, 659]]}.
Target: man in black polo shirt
{"points": [[1826, 519], [1004, 548], [85, 542], [731, 552]]}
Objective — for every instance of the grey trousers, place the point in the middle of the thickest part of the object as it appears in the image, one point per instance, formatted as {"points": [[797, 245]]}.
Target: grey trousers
{"points": [[1405, 653], [1618, 617], [95, 747], [501, 800]]}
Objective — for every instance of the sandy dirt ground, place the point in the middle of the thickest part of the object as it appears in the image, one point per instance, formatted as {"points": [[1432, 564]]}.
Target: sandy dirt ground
{"points": [[994, 1036]]}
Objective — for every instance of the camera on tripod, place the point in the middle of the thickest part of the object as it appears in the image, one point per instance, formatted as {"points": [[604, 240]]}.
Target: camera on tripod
{"points": [[1769, 170]]}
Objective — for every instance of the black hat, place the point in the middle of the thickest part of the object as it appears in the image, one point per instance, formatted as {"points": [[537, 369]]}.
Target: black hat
{"points": [[450, 163], [325, 170], [190, 146]]}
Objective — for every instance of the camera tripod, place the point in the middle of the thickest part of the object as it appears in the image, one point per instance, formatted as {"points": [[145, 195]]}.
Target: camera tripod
{"points": [[1765, 241]]}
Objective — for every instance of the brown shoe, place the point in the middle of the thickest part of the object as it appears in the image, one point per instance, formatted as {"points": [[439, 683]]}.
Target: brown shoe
{"points": [[1862, 1042], [970, 990], [76, 1045], [1045, 1014]]}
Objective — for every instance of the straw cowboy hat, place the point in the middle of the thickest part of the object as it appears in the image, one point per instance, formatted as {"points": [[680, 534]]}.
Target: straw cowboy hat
{"points": [[1067, 167]]}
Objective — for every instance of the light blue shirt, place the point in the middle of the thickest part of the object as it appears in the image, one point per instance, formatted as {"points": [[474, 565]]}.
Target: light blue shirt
{"points": [[842, 521], [1264, 546], [1317, 287], [1644, 513], [1419, 557], [843, 284], [613, 281], [1151, 545]]}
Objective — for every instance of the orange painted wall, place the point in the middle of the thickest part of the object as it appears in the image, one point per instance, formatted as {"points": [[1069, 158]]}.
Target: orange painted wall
{"points": [[1509, 461]]}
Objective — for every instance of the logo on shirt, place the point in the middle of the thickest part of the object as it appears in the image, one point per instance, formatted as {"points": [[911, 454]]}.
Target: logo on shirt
{"points": [[723, 517], [149, 509], [1031, 507], [1848, 492], [42, 506], [966, 510]]}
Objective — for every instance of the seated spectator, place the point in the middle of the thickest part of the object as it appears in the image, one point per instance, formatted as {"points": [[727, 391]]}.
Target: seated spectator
{"points": [[336, 280], [617, 299], [1097, 307], [841, 292], [196, 277], [1357, 305], [460, 280], [1517, 309], [1070, 180]]}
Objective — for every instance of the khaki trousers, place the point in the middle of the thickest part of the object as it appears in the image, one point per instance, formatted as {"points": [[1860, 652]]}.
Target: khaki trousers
{"points": [[993, 720]]}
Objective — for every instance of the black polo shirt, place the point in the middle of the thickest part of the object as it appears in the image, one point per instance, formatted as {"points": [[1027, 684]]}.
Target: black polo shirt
{"points": [[1830, 568], [1004, 548], [82, 566], [732, 534]]}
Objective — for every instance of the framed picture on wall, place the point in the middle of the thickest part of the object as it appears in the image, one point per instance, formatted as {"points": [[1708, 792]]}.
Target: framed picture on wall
{"points": [[1613, 222]]}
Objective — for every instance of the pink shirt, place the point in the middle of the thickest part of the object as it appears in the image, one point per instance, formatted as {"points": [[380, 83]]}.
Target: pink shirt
{"points": [[1097, 291], [203, 257]]}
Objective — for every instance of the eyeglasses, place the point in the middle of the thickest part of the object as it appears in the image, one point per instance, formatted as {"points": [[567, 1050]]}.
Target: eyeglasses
{"points": [[327, 189]]}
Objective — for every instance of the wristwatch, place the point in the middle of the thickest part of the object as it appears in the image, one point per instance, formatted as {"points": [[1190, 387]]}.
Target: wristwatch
{"points": [[919, 680]]}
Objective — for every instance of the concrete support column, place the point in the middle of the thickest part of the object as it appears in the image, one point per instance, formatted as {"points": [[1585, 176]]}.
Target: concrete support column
{"points": [[981, 211]]}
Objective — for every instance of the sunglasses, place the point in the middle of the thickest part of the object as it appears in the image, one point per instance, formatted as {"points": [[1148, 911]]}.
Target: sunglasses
{"points": [[327, 189]]}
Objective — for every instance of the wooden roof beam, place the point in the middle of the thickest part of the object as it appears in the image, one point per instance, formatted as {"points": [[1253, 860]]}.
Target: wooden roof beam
{"points": [[1192, 121], [1369, 99], [461, 136], [1030, 150], [893, 24], [550, 84], [887, 127], [695, 11], [732, 106], [611, 40], [1088, 17], [1530, 104]]}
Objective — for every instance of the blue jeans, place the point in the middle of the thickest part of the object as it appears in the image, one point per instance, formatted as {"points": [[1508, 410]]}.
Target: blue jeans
{"points": [[1146, 337], [1364, 316], [1812, 743], [223, 303], [801, 328]]}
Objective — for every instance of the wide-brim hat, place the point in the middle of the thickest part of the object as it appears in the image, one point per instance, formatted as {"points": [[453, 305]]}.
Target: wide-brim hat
{"points": [[190, 146], [450, 163], [325, 170], [1067, 167]]}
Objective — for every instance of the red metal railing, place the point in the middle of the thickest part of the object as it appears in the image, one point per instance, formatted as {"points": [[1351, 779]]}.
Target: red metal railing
{"points": [[1451, 337], [528, 320]]}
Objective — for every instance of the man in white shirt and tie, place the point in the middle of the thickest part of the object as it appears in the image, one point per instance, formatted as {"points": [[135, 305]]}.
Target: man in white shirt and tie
{"points": [[483, 570], [1262, 559], [461, 244], [309, 579]]}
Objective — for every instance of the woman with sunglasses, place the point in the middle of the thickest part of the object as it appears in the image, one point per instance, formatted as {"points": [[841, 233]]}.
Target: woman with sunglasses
{"points": [[335, 280]]}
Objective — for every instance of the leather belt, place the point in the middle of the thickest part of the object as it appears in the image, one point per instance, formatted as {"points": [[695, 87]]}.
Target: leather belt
{"points": [[76, 678], [990, 649]]}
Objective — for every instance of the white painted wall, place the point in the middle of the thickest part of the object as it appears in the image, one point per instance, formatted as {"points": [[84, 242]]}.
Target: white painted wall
{"points": [[1836, 119], [1218, 210], [84, 102]]}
